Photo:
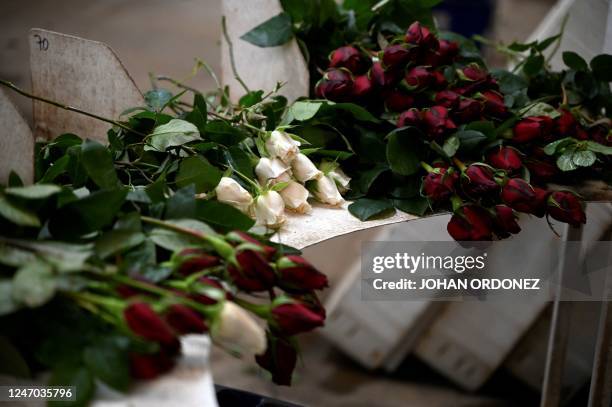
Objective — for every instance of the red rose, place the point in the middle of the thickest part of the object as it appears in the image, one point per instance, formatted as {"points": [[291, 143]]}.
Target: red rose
{"points": [[467, 111], [541, 171], [238, 236], [505, 222], [600, 133], [565, 206], [421, 36], [447, 99], [480, 180], [207, 282], [439, 184], [312, 302], [362, 86], [398, 101], [470, 223], [253, 272], [437, 122], [396, 56], [518, 195], [411, 117], [347, 57], [475, 73], [566, 124], [336, 85], [297, 274], [184, 320], [384, 78], [147, 366], [494, 105], [279, 359], [294, 318], [193, 260], [538, 208], [144, 322], [505, 158], [439, 80], [419, 78], [532, 128], [447, 51]]}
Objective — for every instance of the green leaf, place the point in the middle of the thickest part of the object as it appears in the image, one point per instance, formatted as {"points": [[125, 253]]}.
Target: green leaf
{"points": [[470, 139], [271, 33], [599, 148], [108, 361], [116, 241], [198, 171], [15, 256], [602, 67], [574, 61], [542, 109], [224, 133], [366, 179], [174, 133], [36, 191], [366, 208], [402, 149], [558, 145], [415, 206], [251, 98], [99, 164], [12, 362], [34, 284], [16, 214], [304, 110], [78, 377], [565, 161], [222, 215], [533, 65], [7, 303], [584, 158], [451, 145], [173, 241], [239, 160], [156, 99], [356, 111]]}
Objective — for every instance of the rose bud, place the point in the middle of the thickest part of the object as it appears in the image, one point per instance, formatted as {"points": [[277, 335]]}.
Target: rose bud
{"points": [[384, 78], [418, 78], [210, 284], [362, 86], [541, 171], [439, 80], [437, 122], [398, 101], [269, 209], [347, 57], [271, 171], [440, 183], [193, 260], [518, 195], [494, 104], [281, 145], [325, 190], [565, 206], [147, 366], [238, 330], [229, 191], [566, 124], [600, 133], [238, 236], [447, 99], [184, 320], [304, 169], [504, 223], [505, 158], [474, 73], [144, 322], [480, 180], [340, 178], [252, 272], [312, 302], [396, 56], [447, 52], [532, 128], [279, 359], [470, 223], [295, 196], [467, 111], [294, 318], [336, 85], [538, 208], [411, 117], [421, 36], [297, 274]]}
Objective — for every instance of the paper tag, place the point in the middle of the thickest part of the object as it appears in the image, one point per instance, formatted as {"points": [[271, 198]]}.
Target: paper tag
{"points": [[16, 143]]}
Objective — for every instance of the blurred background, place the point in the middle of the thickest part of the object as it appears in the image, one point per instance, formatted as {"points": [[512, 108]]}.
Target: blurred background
{"points": [[163, 37]]}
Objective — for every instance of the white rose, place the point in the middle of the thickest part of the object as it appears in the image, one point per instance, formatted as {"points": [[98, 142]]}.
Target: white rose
{"points": [[340, 178], [296, 197], [304, 169], [271, 171], [326, 191], [231, 192], [237, 330], [282, 146], [270, 209]]}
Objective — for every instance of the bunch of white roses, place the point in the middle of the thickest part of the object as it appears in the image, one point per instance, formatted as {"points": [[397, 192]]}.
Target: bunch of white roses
{"points": [[286, 179]]}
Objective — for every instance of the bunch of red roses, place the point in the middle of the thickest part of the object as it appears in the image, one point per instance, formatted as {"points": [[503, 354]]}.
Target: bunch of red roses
{"points": [[196, 298], [425, 84]]}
